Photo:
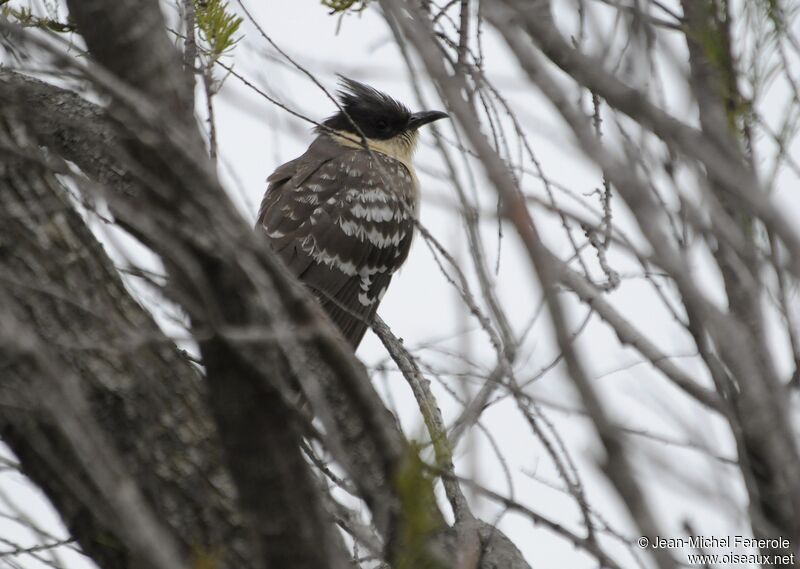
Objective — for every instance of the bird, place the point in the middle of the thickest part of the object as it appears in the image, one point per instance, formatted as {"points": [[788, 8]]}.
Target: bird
{"points": [[342, 215]]}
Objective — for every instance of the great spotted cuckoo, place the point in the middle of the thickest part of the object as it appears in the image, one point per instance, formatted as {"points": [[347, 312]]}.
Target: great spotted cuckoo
{"points": [[341, 216]]}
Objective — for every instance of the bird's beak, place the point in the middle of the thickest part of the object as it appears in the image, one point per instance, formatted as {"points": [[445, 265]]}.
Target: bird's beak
{"points": [[419, 119]]}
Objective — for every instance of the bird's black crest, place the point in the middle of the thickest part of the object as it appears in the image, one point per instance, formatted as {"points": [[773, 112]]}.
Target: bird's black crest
{"points": [[375, 114]]}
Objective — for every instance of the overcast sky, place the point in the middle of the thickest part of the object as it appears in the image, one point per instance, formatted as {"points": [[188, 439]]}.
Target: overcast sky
{"points": [[256, 136], [422, 307]]}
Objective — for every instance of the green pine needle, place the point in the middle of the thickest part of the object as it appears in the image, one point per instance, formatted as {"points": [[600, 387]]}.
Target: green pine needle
{"points": [[342, 6], [217, 26]]}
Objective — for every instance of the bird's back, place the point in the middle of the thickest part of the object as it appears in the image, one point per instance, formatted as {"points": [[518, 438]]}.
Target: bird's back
{"points": [[342, 219]]}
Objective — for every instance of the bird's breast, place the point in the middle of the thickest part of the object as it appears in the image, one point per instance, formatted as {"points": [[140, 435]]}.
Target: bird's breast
{"points": [[379, 178]]}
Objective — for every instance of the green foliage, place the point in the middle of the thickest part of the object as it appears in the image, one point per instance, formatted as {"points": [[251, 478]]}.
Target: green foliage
{"points": [[217, 27], [342, 6], [26, 18], [415, 489]]}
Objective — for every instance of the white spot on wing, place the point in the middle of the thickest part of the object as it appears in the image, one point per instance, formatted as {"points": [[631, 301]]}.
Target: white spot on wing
{"points": [[372, 213], [380, 240], [310, 199], [374, 235], [320, 255], [375, 195]]}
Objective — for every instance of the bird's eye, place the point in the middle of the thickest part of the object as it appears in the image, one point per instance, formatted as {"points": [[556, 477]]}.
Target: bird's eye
{"points": [[382, 124]]}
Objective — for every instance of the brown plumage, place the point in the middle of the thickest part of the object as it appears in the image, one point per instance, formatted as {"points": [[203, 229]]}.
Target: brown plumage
{"points": [[342, 217]]}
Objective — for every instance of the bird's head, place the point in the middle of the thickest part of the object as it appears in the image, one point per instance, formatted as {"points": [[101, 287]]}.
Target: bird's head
{"points": [[377, 116]]}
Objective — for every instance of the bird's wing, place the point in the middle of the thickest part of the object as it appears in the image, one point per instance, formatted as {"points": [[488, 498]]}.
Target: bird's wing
{"points": [[288, 182], [342, 229]]}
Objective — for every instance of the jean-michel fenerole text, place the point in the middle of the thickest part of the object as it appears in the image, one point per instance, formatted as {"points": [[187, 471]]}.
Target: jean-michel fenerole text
{"points": [[713, 542]]}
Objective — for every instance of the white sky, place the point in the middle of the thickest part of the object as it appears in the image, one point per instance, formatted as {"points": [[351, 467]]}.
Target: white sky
{"points": [[421, 306], [255, 137]]}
